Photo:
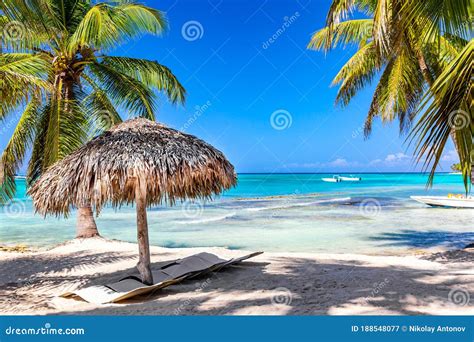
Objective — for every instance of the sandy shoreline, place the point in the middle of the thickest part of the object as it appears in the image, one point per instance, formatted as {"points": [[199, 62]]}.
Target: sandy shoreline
{"points": [[272, 283]]}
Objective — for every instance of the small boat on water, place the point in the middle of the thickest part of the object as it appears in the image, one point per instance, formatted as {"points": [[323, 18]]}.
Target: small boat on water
{"points": [[337, 179], [450, 201], [350, 179], [333, 179]]}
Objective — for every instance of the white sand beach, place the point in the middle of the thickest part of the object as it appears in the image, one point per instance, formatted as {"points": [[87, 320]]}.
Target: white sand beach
{"points": [[270, 284]]}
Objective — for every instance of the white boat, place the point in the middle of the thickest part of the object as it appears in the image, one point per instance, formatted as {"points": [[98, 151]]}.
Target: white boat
{"points": [[333, 179], [350, 179], [446, 201]]}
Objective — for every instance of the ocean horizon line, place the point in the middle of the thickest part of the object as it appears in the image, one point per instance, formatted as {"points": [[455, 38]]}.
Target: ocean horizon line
{"points": [[324, 173]]}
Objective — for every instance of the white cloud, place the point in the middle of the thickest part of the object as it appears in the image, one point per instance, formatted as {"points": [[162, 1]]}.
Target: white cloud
{"points": [[339, 162], [396, 158], [392, 159]]}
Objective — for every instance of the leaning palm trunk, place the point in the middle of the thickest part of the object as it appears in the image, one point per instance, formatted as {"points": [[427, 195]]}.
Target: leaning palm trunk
{"points": [[86, 227]]}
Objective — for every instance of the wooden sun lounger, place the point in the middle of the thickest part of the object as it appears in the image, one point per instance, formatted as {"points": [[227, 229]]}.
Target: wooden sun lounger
{"points": [[167, 274]]}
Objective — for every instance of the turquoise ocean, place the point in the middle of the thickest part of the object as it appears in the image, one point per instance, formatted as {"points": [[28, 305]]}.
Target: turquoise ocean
{"points": [[277, 212]]}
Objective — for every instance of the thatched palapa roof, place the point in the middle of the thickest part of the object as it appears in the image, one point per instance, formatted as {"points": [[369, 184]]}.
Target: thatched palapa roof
{"points": [[174, 165]]}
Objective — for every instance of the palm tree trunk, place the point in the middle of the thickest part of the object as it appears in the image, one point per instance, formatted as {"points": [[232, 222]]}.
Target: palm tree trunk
{"points": [[86, 227], [425, 71]]}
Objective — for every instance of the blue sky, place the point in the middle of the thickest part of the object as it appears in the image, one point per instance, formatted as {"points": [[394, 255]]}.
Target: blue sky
{"points": [[257, 94]]}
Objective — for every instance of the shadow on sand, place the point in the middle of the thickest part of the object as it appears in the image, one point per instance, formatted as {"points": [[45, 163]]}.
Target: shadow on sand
{"points": [[300, 287]]}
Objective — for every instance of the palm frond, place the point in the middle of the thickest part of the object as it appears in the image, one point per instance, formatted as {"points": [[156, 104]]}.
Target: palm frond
{"points": [[383, 25], [447, 110], [124, 90], [448, 16], [346, 32], [103, 26], [28, 24], [398, 92], [16, 148], [22, 76], [341, 9], [102, 112], [150, 73], [357, 73]]}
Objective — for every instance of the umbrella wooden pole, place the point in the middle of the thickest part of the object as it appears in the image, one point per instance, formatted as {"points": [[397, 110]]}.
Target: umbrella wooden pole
{"points": [[142, 234]]}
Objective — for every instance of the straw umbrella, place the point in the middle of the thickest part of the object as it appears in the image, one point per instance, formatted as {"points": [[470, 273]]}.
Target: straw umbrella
{"points": [[136, 161]]}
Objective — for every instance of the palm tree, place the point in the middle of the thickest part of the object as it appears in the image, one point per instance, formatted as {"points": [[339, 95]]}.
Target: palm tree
{"points": [[410, 44], [56, 70]]}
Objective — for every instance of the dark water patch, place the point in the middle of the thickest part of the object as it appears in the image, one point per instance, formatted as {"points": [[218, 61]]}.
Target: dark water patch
{"points": [[425, 239], [378, 201], [233, 247], [173, 244]]}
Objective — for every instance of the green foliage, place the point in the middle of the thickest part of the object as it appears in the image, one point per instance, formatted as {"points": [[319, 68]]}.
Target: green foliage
{"points": [[456, 167], [423, 52], [54, 66]]}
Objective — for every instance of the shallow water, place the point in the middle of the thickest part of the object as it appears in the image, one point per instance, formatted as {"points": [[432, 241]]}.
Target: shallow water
{"points": [[278, 212]]}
